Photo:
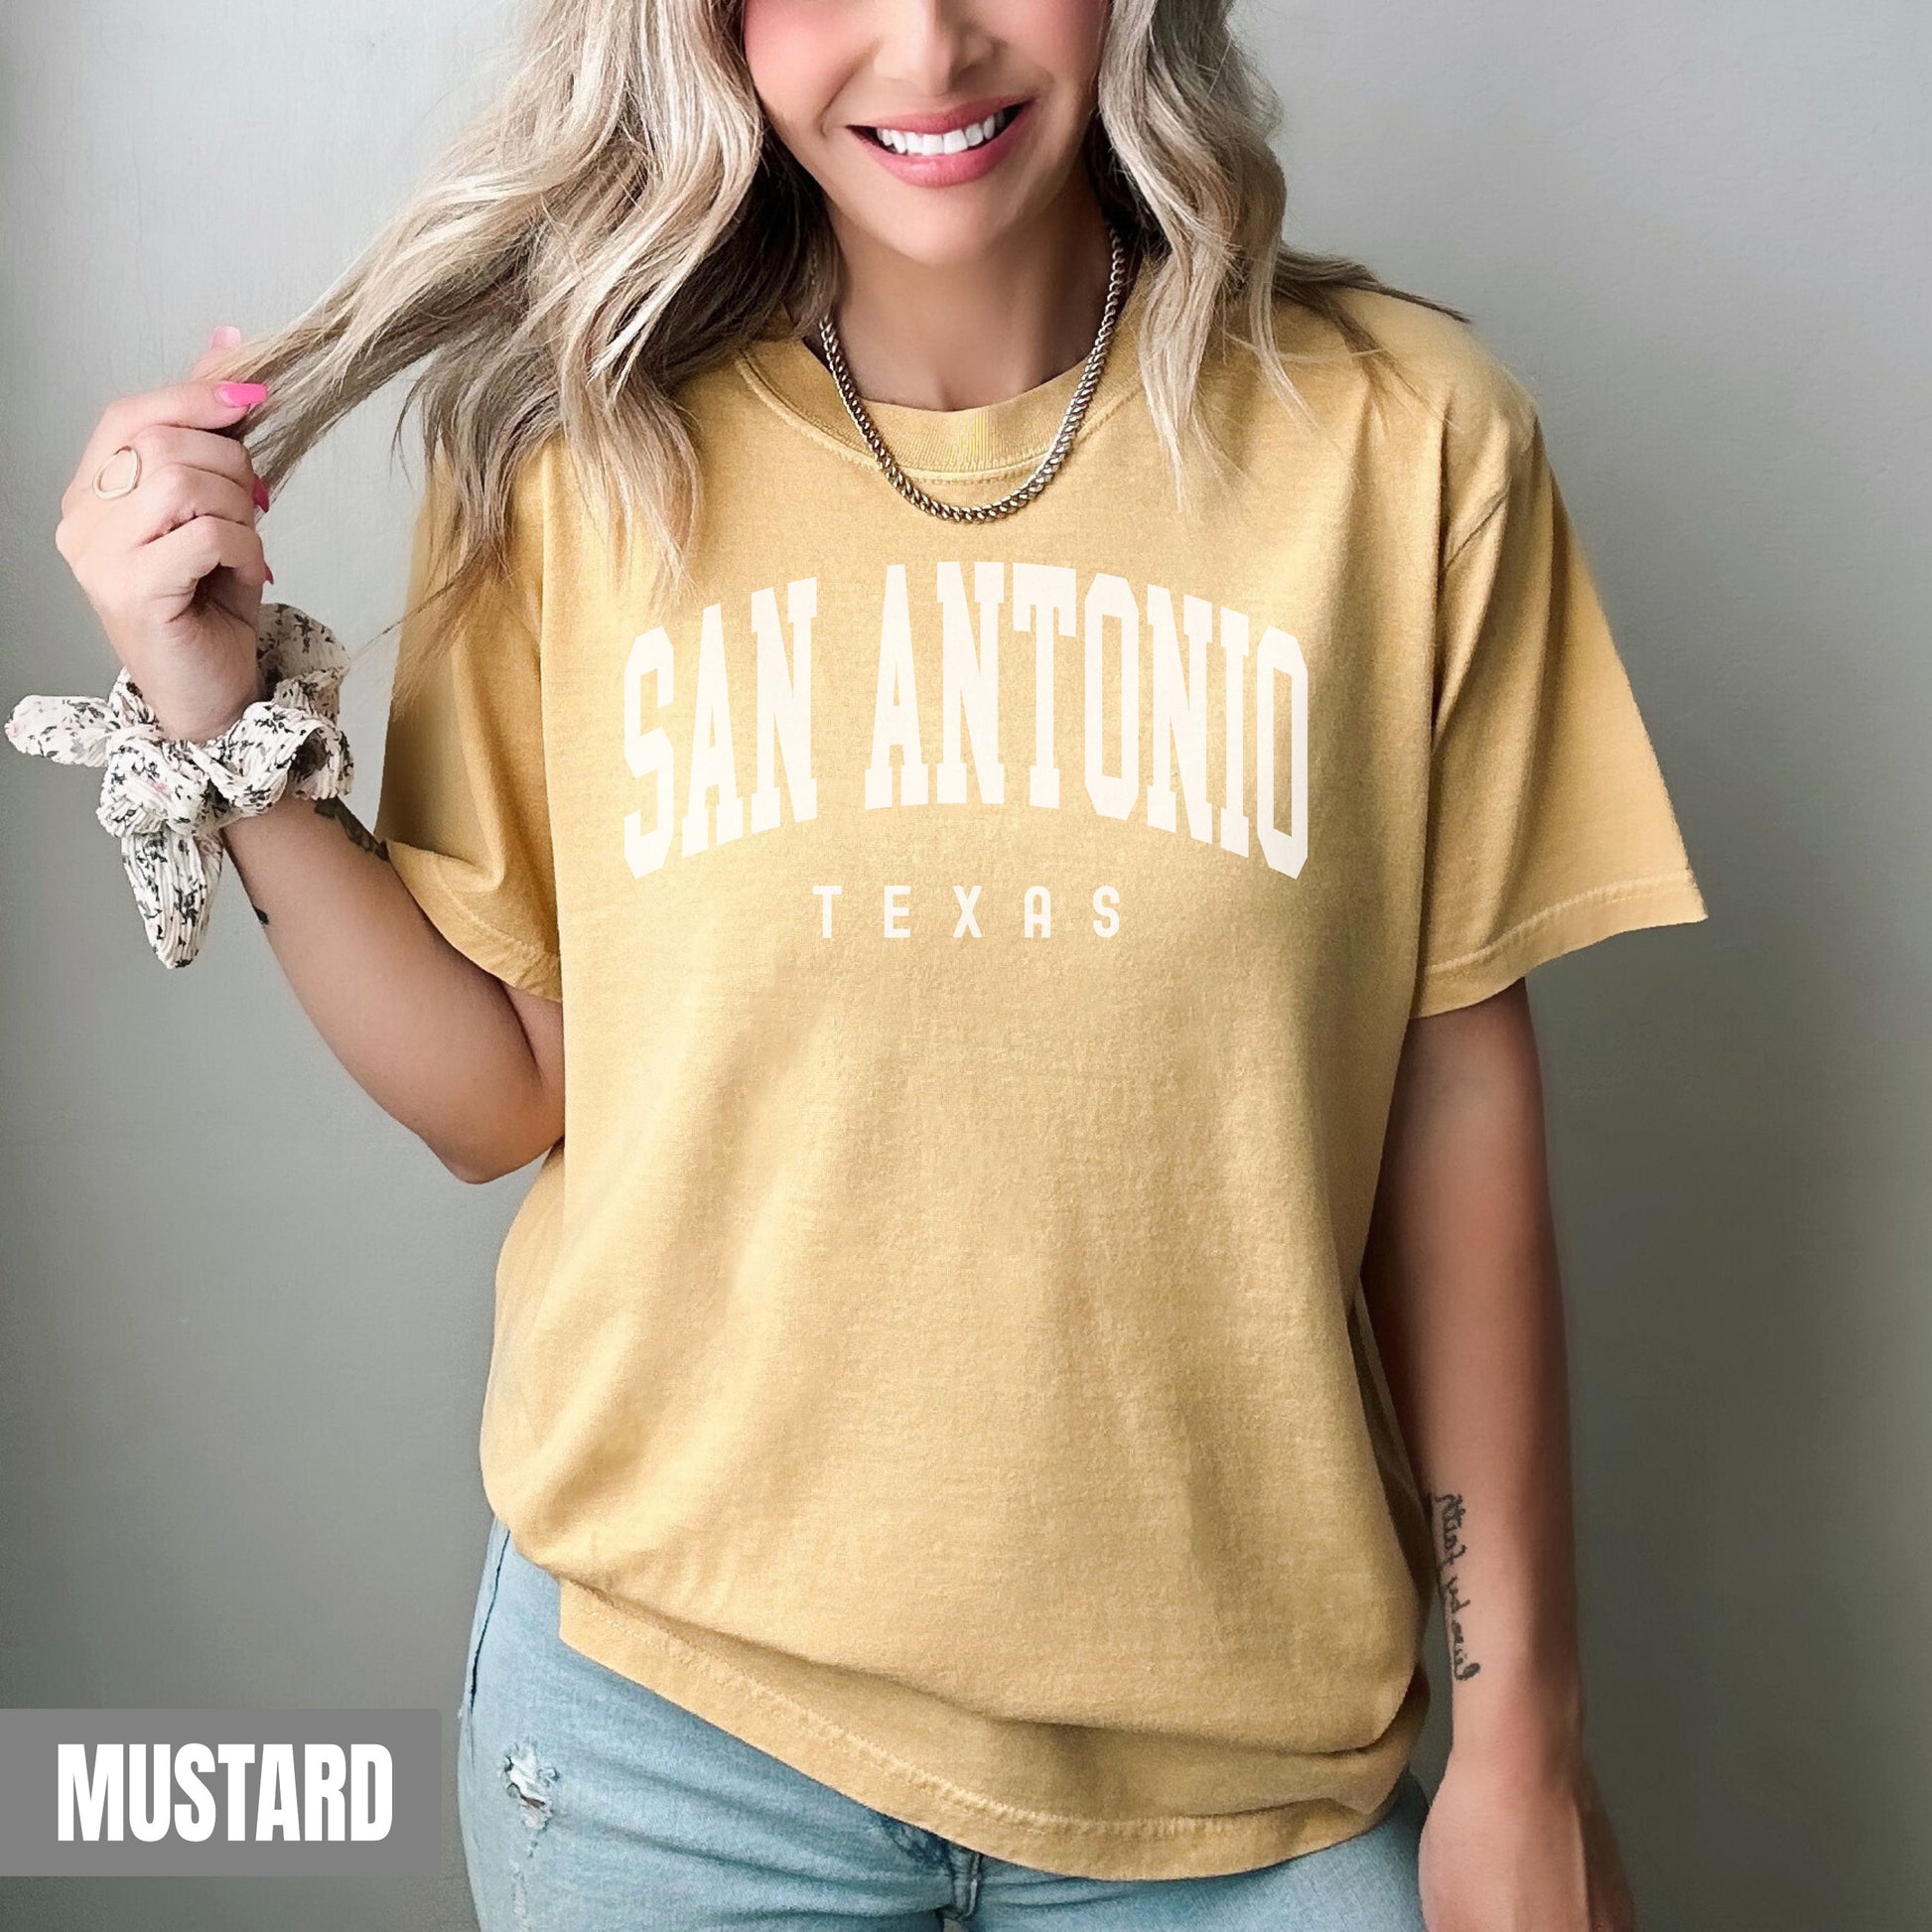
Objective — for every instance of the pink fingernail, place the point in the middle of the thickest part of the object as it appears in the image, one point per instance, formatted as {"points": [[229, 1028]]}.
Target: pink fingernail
{"points": [[225, 335], [269, 574], [261, 495], [241, 396]]}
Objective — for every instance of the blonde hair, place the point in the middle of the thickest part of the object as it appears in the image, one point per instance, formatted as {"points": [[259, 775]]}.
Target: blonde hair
{"points": [[623, 218]]}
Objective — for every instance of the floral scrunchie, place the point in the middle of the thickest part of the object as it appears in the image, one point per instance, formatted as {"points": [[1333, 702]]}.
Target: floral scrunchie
{"points": [[167, 799]]}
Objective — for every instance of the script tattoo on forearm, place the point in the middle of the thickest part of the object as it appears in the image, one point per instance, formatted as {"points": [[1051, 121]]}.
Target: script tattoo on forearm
{"points": [[1447, 1512], [353, 827]]}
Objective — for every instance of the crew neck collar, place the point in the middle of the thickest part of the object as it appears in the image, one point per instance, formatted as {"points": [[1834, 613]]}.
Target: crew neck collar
{"points": [[1015, 431]]}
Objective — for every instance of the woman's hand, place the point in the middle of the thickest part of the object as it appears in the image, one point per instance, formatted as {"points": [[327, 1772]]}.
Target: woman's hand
{"points": [[1520, 1841], [173, 569]]}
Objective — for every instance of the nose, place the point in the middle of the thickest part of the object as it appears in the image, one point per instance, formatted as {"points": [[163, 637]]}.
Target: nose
{"points": [[926, 46]]}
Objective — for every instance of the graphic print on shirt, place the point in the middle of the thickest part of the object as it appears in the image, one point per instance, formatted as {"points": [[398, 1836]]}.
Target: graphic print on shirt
{"points": [[693, 803]]}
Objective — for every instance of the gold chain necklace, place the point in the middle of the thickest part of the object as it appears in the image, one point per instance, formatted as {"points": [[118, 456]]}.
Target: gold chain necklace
{"points": [[1076, 408]]}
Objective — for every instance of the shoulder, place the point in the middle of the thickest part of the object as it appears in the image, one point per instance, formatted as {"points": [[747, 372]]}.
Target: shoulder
{"points": [[527, 491], [1440, 391], [539, 483], [1445, 364], [552, 524]]}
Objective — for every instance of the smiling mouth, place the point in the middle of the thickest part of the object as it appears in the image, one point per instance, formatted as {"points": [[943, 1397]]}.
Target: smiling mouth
{"points": [[956, 140]]}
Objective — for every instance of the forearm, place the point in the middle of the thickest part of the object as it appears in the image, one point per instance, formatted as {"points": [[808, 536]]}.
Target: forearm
{"points": [[426, 1033], [1463, 1285]]}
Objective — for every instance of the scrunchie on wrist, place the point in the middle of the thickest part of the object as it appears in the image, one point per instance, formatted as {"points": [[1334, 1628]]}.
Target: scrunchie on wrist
{"points": [[165, 799]]}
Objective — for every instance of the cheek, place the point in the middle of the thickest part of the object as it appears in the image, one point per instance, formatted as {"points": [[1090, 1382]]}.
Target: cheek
{"points": [[1062, 37], [792, 53]]}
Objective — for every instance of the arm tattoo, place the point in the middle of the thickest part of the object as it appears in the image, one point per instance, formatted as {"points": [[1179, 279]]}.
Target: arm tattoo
{"points": [[1450, 1550], [353, 829]]}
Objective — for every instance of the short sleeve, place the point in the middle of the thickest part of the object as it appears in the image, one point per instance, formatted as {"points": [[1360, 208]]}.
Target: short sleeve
{"points": [[464, 809], [1549, 823]]}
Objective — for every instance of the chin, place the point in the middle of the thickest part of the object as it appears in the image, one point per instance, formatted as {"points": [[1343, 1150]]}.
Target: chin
{"points": [[939, 238]]}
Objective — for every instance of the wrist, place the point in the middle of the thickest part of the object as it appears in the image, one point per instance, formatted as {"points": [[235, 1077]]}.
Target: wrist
{"points": [[164, 807], [1522, 1714], [207, 721]]}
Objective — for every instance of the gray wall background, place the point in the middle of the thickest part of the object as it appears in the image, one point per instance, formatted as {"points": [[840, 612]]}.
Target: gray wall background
{"points": [[244, 1326]]}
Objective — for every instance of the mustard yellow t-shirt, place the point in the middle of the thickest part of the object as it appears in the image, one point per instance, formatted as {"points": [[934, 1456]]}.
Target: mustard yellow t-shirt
{"points": [[936, 1351]]}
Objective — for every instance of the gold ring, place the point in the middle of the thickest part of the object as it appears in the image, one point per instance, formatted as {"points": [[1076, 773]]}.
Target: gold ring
{"points": [[125, 490]]}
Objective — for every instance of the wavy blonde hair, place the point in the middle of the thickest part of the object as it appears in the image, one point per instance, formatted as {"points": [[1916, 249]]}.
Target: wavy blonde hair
{"points": [[624, 216]]}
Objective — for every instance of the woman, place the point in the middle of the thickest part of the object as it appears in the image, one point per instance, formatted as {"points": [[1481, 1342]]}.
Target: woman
{"points": [[1055, 1266]]}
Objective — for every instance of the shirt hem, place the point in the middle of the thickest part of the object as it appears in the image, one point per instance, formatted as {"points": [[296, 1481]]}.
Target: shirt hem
{"points": [[515, 961], [636, 1647], [1668, 899]]}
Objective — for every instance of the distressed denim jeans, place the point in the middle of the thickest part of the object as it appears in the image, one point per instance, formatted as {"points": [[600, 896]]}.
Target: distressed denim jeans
{"points": [[591, 1804]]}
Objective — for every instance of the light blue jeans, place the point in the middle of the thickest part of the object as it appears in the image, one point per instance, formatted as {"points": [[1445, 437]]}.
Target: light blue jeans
{"points": [[591, 1804]]}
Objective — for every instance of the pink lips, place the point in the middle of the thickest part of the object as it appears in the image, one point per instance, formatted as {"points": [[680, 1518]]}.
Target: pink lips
{"points": [[945, 170]]}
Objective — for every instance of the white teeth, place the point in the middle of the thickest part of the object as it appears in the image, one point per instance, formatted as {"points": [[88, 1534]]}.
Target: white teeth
{"points": [[953, 142]]}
